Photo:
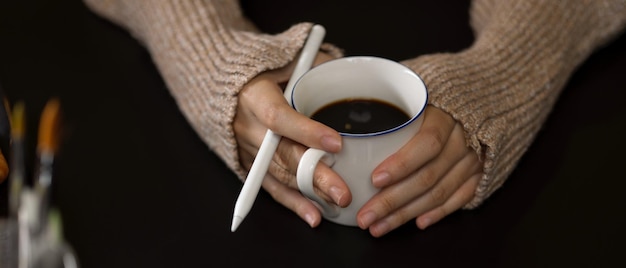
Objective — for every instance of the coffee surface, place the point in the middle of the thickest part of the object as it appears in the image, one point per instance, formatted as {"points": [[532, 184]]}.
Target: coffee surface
{"points": [[360, 116]]}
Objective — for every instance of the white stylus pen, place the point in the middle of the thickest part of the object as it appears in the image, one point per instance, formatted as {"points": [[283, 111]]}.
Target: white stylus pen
{"points": [[261, 163]]}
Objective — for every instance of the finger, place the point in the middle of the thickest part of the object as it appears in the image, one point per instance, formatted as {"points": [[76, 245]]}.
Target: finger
{"points": [[435, 197], [460, 198], [288, 123], [327, 183], [293, 200], [269, 106], [422, 148], [249, 131], [398, 195]]}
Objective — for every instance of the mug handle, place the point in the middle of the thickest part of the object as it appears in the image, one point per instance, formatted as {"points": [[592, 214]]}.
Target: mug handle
{"points": [[304, 176]]}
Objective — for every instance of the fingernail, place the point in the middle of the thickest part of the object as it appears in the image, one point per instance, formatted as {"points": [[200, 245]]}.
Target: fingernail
{"points": [[309, 219], [336, 194], [381, 179], [367, 219], [331, 144]]}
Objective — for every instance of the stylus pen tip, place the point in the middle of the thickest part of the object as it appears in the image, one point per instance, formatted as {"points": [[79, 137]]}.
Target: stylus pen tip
{"points": [[236, 221]]}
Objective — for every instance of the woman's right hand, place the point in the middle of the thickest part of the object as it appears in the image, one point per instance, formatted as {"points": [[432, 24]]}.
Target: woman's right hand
{"points": [[262, 105]]}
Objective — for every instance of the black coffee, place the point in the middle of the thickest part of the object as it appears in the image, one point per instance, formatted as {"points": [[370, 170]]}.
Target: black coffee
{"points": [[360, 116]]}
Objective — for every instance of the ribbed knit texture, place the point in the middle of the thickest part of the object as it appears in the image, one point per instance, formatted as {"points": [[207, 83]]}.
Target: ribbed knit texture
{"points": [[504, 86], [501, 89], [206, 51]]}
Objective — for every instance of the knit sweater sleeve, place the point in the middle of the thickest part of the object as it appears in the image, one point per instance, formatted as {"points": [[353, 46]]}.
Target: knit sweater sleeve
{"points": [[502, 88], [205, 51]]}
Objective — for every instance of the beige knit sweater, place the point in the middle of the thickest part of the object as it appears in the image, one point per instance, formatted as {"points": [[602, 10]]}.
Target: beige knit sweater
{"points": [[501, 89]]}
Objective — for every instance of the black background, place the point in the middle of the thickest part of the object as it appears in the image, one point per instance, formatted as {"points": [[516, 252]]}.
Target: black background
{"points": [[137, 188]]}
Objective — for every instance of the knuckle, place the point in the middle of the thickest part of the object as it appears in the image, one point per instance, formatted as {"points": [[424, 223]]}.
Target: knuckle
{"points": [[272, 189], [387, 203], [320, 180], [271, 116], [250, 91], [244, 93], [434, 139], [438, 195], [402, 163], [283, 176], [427, 179]]}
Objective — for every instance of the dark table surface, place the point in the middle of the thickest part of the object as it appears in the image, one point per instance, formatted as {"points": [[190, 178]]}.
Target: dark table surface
{"points": [[136, 187]]}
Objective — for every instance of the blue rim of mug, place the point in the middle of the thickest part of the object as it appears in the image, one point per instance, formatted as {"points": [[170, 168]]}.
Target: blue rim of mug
{"points": [[379, 133]]}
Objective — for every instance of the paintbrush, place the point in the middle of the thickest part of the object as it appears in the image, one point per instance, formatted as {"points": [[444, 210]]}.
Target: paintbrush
{"points": [[17, 172], [47, 146]]}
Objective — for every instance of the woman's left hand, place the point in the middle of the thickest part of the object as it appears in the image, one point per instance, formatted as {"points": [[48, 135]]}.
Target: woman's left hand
{"points": [[433, 175]]}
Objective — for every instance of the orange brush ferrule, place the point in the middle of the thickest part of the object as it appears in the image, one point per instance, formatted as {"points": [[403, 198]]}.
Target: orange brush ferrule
{"points": [[49, 126], [18, 124]]}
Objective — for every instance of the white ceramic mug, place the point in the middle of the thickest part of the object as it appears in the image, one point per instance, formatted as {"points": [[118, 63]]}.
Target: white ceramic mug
{"points": [[358, 77]]}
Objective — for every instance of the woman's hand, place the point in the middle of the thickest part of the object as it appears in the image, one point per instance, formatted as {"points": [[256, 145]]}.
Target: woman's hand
{"points": [[433, 175], [262, 106]]}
